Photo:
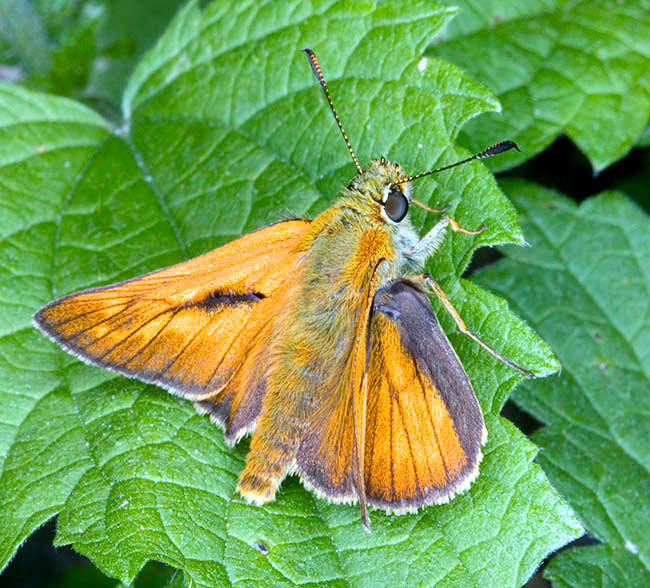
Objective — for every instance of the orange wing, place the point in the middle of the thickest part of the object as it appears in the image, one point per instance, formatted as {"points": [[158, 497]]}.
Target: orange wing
{"points": [[413, 415], [192, 328], [328, 456], [424, 427]]}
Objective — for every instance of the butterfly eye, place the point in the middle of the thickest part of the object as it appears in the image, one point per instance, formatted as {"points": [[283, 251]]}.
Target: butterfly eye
{"points": [[396, 205]]}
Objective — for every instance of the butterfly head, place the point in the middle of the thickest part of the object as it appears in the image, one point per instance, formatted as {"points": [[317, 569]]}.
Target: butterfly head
{"points": [[381, 192]]}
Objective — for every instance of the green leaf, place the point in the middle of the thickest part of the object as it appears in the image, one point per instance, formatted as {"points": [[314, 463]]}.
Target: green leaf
{"points": [[581, 68], [153, 575], [84, 49], [23, 32], [225, 131], [644, 137], [590, 266], [129, 29], [596, 566]]}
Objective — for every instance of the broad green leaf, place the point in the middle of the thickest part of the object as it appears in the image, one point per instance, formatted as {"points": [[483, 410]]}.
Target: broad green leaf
{"points": [[24, 34], [590, 267], [600, 565], [225, 130], [84, 49], [578, 67], [129, 29]]}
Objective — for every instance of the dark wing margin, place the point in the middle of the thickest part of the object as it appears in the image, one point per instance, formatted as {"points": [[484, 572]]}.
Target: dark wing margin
{"points": [[424, 427]]}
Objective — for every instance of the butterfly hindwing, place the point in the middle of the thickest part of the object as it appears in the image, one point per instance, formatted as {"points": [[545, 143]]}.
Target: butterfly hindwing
{"points": [[424, 426], [327, 458], [421, 428], [194, 328]]}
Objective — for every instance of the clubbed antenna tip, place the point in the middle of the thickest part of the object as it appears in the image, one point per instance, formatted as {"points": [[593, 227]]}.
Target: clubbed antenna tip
{"points": [[489, 152], [498, 148]]}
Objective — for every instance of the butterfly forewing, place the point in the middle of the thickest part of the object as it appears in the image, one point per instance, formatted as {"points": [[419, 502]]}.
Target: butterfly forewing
{"points": [[195, 328]]}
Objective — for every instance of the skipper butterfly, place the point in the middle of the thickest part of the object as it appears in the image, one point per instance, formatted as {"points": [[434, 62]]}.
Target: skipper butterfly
{"points": [[316, 338]]}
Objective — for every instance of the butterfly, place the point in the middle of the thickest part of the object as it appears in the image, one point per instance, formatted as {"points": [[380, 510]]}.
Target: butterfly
{"points": [[315, 337]]}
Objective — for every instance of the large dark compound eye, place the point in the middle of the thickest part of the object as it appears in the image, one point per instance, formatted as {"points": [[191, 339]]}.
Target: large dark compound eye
{"points": [[396, 205]]}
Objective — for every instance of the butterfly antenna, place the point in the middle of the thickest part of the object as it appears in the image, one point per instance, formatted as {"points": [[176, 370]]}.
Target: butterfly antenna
{"points": [[489, 152], [319, 76]]}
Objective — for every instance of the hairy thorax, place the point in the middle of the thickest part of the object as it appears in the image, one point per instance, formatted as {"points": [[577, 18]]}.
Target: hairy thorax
{"points": [[342, 253]]}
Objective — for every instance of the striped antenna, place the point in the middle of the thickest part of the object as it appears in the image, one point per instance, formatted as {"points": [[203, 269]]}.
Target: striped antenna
{"points": [[489, 152], [319, 76]]}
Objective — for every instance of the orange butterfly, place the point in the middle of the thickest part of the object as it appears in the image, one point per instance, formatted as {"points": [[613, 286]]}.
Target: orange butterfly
{"points": [[317, 338]]}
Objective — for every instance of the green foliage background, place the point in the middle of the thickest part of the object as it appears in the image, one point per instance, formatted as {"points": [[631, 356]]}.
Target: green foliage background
{"points": [[220, 128]]}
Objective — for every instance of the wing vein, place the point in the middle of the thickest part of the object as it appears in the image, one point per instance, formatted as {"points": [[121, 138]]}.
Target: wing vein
{"points": [[433, 426], [180, 353], [408, 440], [120, 316], [86, 314], [230, 346], [153, 318], [139, 351]]}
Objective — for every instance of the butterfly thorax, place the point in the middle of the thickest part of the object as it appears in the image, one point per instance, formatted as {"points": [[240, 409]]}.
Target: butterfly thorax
{"points": [[341, 253]]}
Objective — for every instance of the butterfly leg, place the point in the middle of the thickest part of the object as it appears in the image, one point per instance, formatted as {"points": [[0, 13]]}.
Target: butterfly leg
{"points": [[428, 245], [445, 208], [429, 281]]}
